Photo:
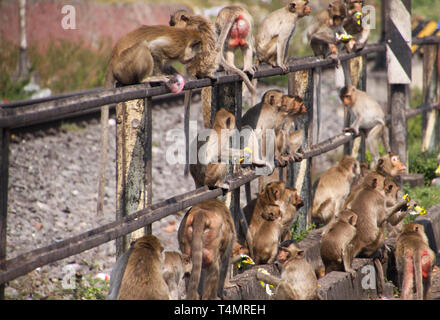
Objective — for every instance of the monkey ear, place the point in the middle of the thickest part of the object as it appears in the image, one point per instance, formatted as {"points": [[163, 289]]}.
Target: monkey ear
{"points": [[380, 162], [374, 183], [300, 254], [228, 122], [184, 18], [352, 220], [271, 100]]}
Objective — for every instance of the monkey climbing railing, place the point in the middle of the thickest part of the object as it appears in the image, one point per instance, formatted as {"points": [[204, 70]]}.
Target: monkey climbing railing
{"points": [[30, 113]]}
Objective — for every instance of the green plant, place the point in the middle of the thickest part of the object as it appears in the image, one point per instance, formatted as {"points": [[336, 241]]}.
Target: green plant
{"points": [[422, 162], [298, 234], [426, 196], [88, 289]]}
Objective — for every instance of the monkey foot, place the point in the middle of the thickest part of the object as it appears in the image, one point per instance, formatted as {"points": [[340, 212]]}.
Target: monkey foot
{"points": [[176, 83]]}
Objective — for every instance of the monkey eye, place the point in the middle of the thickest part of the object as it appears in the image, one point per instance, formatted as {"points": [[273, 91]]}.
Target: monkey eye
{"points": [[394, 159]]}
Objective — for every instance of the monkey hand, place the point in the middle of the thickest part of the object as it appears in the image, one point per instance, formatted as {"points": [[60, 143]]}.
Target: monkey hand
{"points": [[349, 131], [176, 83], [284, 67], [250, 71]]}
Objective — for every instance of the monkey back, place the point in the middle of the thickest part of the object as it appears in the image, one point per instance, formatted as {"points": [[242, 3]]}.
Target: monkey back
{"points": [[238, 33]]}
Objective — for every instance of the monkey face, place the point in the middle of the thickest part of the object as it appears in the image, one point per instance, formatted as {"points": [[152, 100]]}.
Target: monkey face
{"points": [[354, 6], [300, 7], [191, 51], [271, 212], [397, 164], [337, 12]]}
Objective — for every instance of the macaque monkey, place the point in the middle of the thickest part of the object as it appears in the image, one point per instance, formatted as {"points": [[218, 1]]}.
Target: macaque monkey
{"points": [[236, 22], [324, 29], [298, 279], [207, 234], [337, 243], [176, 269], [271, 195], [288, 144], [211, 57], [414, 261], [145, 55], [212, 172], [274, 33], [392, 196], [274, 227], [332, 189], [370, 206], [143, 279], [355, 26], [368, 116], [265, 114], [267, 237], [390, 165]]}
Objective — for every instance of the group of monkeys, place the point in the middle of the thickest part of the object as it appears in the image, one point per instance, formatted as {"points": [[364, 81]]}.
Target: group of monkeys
{"points": [[147, 53], [354, 207], [353, 204]]}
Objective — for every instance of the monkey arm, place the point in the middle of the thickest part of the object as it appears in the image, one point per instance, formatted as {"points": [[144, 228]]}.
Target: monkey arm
{"points": [[402, 205], [364, 36], [324, 37], [267, 278]]}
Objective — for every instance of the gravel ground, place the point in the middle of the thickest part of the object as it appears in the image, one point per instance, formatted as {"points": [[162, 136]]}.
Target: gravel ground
{"points": [[53, 192]]}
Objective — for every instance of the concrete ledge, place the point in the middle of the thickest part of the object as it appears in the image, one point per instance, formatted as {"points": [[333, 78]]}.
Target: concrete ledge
{"points": [[413, 179], [338, 285], [431, 222], [334, 286]]}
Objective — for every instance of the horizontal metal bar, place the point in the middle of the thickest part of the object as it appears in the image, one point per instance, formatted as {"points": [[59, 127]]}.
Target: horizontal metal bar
{"points": [[426, 40], [32, 114]]}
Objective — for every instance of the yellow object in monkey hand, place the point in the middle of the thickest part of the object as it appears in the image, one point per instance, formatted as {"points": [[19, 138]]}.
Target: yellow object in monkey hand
{"points": [[416, 210], [266, 286], [249, 150], [245, 259], [437, 172], [344, 37]]}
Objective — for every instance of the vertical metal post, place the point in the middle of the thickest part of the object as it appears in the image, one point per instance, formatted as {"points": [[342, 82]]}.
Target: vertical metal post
{"points": [[301, 84], [430, 89], [398, 42], [4, 178], [134, 163]]}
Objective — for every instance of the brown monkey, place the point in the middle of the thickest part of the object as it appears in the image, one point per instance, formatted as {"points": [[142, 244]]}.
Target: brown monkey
{"points": [[211, 171], [414, 261], [370, 206], [368, 116], [355, 26], [324, 29], [205, 64], [275, 31], [143, 278], [146, 54], [288, 143], [266, 238], [265, 114], [207, 234], [392, 196], [337, 243], [176, 268], [332, 189], [390, 165], [291, 203], [298, 279], [236, 22], [271, 195]]}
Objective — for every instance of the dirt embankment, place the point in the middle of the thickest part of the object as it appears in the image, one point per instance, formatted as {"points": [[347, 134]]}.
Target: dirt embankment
{"points": [[94, 21]]}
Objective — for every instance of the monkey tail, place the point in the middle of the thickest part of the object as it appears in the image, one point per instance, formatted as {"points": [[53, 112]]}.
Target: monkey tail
{"points": [[386, 138], [417, 260], [187, 106], [196, 255], [318, 103], [206, 106], [224, 63], [108, 84]]}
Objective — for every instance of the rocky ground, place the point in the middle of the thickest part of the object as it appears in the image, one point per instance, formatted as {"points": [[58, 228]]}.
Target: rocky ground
{"points": [[53, 192]]}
